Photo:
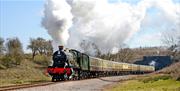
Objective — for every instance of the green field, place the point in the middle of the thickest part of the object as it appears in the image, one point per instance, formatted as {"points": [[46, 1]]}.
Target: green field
{"points": [[157, 83]]}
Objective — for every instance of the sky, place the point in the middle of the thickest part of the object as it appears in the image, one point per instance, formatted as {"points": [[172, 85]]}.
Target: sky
{"points": [[22, 19]]}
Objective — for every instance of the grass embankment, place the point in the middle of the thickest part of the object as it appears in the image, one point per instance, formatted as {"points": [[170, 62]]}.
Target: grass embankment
{"points": [[150, 83], [167, 79], [29, 71]]}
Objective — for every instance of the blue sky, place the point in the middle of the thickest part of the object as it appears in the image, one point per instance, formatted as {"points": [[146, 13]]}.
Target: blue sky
{"points": [[22, 19]]}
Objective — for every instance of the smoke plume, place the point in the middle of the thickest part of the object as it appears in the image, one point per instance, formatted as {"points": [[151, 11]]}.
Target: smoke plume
{"points": [[104, 24], [57, 20]]}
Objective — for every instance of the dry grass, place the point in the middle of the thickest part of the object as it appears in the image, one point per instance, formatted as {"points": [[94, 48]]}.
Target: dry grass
{"points": [[151, 82], [173, 70], [135, 85], [27, 72]]}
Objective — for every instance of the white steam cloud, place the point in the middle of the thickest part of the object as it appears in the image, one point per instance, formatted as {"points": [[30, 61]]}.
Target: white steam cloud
{"points": [[107, 25], [57, 20]]}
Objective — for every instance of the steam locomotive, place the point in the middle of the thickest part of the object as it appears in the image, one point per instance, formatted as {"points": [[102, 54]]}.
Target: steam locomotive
{"points": [[79, 66]]}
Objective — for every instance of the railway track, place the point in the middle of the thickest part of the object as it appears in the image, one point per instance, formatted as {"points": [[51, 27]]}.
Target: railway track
{"points": [[14, 87]]}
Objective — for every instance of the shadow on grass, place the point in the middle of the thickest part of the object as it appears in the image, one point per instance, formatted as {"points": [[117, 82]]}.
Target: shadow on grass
{"points": [[111, 80], [39, 81], [19, 82]]}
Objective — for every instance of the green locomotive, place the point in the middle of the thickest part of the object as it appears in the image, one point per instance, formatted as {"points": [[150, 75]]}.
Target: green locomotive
{"points": [[84, 66]]}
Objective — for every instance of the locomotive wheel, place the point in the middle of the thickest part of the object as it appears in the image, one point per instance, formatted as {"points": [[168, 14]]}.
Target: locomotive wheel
{"points": [[62, 79], [53, 79], [78, 74], [58, 79]]}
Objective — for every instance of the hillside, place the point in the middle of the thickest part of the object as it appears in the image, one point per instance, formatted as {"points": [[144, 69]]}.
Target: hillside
{"points": [[173, 70], [27, 72]]}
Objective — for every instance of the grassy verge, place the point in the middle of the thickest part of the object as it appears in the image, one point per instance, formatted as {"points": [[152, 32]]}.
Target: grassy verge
{"points": [[27, 72], [148, 83]]}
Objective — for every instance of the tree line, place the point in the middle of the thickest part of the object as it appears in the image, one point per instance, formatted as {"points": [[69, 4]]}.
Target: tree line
{"points": [[12, 53], [126, 54], [11, 50]]}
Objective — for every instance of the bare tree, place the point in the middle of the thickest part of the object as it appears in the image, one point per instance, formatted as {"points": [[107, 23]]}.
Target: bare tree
{"points": [[2, 48], [85, 46], [15, 50], [48, 48], [41, 43], [14, 46], [90, 48], [125, 55], [173, 42], [33, 46], [40, 46]]}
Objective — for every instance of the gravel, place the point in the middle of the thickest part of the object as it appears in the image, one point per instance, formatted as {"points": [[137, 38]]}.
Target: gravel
{"points": [[96, 84]]}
